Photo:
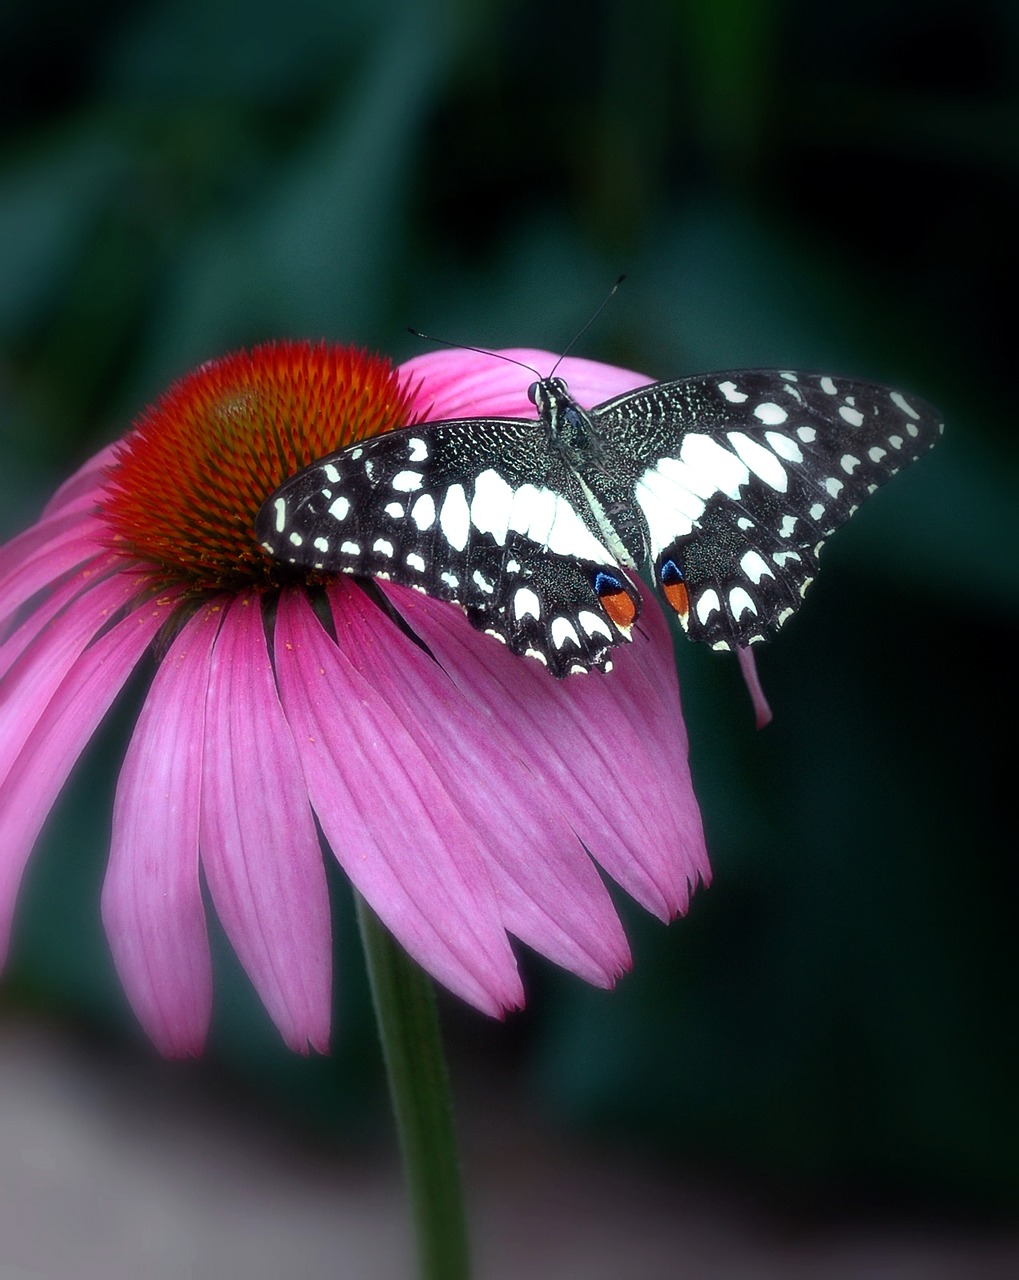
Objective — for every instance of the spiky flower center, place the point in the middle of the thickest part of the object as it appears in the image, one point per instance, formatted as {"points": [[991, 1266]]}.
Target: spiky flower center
{"points": [[190, 477]]}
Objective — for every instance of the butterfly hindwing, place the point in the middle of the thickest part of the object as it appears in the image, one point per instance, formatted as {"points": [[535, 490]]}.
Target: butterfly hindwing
{"points": [[478, 512]]}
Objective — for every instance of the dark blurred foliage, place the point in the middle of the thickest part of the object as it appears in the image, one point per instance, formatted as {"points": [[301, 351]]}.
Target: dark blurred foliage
{"points": [[829, 186]]}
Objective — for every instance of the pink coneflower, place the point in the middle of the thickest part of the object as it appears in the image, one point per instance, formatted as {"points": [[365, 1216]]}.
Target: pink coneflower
{"points": [[463, 790]]}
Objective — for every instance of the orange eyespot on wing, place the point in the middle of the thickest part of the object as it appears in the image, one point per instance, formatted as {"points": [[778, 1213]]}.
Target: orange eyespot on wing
{"points": [[674, 588], [616, 600], [677, 596]]}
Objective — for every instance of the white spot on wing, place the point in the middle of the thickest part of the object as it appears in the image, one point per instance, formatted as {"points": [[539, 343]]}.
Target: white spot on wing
{"points": [[491, 505], [455, 517], [902, 403], [707, 467], [340, 508], [828, 387], [526, 602], [551, 521], [740, 603], [383, 546], [570, 536], [414, 561], [669, 509], [853, 416], [423, 512], [671, 494], [707, 604], [593, 625], [784, 446], [280, 508], [772, 415], [760, 460], [331, 473], [417, 450], [533, 512], [563, 632], [729, 390], [755, 567], [406, 481]]}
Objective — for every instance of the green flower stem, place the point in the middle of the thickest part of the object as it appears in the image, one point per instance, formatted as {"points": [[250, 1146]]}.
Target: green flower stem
{"points": [[419, 1088]]}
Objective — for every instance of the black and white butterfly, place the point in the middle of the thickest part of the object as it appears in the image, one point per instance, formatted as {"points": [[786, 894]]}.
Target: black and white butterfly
{"points": [[725, 484]]}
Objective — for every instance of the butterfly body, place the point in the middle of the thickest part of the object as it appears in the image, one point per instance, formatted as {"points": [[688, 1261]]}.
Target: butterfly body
{"points": [[726, 484]]}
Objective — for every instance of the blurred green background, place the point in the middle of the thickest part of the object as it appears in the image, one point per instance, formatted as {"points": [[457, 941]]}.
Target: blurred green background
{"points": [[831, 187]]}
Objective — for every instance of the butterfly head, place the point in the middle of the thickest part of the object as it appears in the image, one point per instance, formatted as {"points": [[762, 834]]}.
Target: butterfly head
{"points": [[569, 426], [546, 393]]}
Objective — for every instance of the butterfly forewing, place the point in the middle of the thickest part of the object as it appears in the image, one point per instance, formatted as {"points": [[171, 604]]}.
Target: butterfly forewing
{"points": [[479, 512], [726, 484]]}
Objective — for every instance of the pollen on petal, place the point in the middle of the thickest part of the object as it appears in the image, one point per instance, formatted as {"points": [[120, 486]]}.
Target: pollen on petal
{"points": [[187, 482]]}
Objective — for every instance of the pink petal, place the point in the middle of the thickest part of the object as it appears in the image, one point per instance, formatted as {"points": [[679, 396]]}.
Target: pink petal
{"points": [[388, 818], [611, 749], [259, 846], [550, 895], [83, 489], [33, 671], [748, 666], [152, 901], [42, 555], [58, 738], [472, 384]]}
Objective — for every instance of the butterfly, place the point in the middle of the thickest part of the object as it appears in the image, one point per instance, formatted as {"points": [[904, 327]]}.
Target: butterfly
{"points": [[723, 485]]}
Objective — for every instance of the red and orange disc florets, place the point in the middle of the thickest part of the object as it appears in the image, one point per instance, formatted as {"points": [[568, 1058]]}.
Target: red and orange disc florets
{"points": [[189, 479]]}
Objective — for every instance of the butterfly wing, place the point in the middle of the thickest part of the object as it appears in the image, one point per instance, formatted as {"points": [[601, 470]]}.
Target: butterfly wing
{"points": [[740, 477], [480, 512]]}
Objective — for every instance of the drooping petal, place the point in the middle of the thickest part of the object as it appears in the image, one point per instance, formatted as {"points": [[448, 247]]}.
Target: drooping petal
{"points": [[473, 384], [58, 738], [152, 901], [611, 748], [388, 818], [80, 490], [30, 564], [36, 658], [748, 666], [259, 846], [549, 892]]}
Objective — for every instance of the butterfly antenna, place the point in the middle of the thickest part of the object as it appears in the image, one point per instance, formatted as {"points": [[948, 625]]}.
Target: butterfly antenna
{"points": [[588, 323], [481, 351]]}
